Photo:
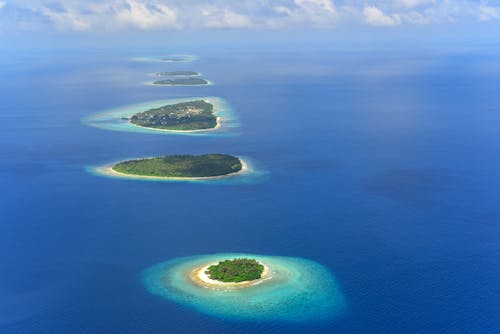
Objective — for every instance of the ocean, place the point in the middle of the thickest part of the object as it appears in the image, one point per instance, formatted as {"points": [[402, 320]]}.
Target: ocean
{"points": [[382, 164]]}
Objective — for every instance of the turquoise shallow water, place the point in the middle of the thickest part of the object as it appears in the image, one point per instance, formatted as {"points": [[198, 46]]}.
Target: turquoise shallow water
{"points": [[299, 290], [112, 119], [384, 169]]}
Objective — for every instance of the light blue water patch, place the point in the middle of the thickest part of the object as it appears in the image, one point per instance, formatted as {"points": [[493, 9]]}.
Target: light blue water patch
{"points": [[175, 58], [253, 173], [299, 290], [117, 119]]}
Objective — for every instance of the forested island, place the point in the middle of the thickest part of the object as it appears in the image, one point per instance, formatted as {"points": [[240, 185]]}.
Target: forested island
{"points": [[249, 287], [182, 166], [181, 82], [184, 116], [177, 73], [236, 270]]}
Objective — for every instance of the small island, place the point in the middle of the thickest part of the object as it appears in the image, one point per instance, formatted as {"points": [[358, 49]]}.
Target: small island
{"points": [[288, 288], [168, 58], [181, 166], [184, 116], [177, 73], [181, 82], [236, 270], [174, 59], [238, 273]]}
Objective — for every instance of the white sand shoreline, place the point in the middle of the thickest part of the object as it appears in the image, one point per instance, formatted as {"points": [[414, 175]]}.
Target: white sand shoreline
{"points": [[108, 170], [200, 277]]}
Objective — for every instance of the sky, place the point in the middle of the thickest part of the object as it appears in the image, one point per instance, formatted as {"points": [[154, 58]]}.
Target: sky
{"points": [[194, 15]]}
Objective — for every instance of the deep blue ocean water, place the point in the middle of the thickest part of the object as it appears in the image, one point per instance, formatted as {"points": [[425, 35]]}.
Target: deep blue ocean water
{"points": [[384, 167]]}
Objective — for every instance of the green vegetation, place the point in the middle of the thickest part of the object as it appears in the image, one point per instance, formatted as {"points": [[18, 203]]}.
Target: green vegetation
{"points": [[236, 270], [181, 166], [192, 115], [182, 82], [178, 73]]}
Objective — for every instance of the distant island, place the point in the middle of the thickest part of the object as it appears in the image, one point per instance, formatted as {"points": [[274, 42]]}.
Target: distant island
{"points": [[236, 270], [181, 166], [168, 58], [177, 73], [184, 116], [181, 82], [174, 59]]}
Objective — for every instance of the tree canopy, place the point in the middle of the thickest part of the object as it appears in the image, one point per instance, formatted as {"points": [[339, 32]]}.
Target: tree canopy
{"points": [[236, 270]]}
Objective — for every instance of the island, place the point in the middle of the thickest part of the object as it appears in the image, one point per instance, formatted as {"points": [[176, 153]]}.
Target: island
{"points": [[181, 166], [177, 73], [181, 82], [184, 116], [174, 59], [236, 270], [238, 273], [289, 289]]}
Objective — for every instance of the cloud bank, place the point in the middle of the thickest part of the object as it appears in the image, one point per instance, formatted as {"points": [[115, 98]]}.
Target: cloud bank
{"points": [[118, 15]]}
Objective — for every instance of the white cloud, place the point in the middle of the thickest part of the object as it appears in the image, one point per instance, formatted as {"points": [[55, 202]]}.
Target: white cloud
{"points": [[216, 18], [411, 4], [67, 18], [115, 15], [375, 17], [111, 15], [489, 13], [316, 13], [140, 15], [314, 5]]}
